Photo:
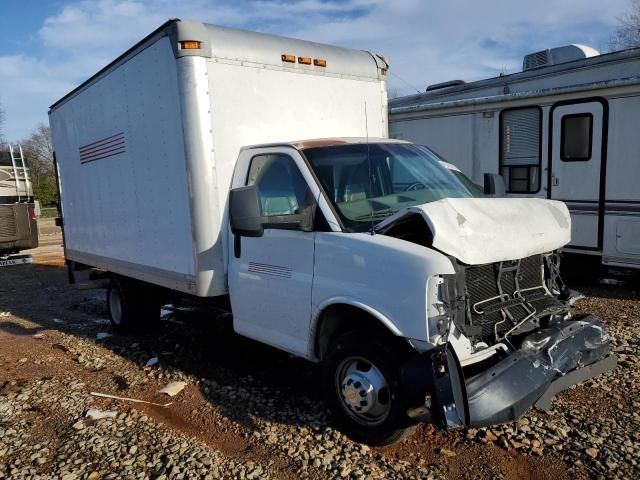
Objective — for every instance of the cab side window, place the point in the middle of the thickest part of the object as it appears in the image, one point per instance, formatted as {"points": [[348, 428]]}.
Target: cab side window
{"points": [[282, 188]]}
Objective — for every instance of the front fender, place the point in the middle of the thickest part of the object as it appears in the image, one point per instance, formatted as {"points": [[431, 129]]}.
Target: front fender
{"points": [[353, 302], [382, 275]]}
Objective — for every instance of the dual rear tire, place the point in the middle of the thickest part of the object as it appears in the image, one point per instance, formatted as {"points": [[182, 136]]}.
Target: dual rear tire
{"points": [[131, 304]]}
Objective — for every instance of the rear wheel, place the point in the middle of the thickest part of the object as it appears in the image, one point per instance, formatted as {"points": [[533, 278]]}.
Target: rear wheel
{"points": [[362, 385], [131, 304]]}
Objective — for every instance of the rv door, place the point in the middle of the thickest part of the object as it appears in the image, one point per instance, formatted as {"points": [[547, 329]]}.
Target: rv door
{"points": [[575, 167]]}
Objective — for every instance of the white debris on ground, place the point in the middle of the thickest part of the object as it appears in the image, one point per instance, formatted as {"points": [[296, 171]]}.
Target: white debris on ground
{"points": [[173, 388], [95, 414]]}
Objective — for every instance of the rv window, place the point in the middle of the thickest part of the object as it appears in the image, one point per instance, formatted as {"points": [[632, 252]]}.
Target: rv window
{"points": [[283, 189], [576, 137], [520, 149]]}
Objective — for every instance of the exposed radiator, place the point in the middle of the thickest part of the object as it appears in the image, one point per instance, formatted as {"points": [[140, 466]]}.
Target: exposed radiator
{"points": [[502, 294]]}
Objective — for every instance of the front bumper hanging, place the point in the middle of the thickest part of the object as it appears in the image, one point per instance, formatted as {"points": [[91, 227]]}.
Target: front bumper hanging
{"points": [[548, 361]]}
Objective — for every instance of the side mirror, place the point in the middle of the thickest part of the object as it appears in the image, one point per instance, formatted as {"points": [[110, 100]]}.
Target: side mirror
{"points": [[494, 184], [245, 214], [246, 219]]}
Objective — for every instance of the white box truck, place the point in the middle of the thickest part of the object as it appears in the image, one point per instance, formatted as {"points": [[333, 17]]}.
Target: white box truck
{"points": [[423, 299]]}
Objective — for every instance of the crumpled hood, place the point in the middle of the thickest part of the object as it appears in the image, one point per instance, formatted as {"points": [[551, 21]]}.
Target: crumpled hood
{"points": [[488, 229]]}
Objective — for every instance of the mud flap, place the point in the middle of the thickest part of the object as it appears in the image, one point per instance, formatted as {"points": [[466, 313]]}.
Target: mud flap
{"points": [[434, 390]]}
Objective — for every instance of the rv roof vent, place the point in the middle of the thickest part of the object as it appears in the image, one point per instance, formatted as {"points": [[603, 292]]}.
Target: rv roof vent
{"points": [[554, 56], [450, 83]]}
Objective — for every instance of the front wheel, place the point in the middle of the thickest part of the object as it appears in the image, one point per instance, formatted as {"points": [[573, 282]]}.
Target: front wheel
{"points": [[362, 386]]}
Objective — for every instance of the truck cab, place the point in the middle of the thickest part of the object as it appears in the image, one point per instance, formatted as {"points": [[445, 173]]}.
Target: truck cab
{"points": [[421, 296]]}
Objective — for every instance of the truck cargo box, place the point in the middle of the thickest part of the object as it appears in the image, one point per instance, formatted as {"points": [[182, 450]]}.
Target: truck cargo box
{"points": [[146, 147]]}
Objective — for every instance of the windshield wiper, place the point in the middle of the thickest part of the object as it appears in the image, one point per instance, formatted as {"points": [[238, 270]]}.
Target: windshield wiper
{"points": [[376, 215]]}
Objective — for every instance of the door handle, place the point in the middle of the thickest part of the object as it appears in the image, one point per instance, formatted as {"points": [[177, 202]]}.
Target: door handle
{"points": [[555, 181]]}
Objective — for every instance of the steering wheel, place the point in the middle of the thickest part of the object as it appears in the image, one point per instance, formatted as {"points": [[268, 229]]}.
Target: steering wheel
{"points": [[415, 186]]}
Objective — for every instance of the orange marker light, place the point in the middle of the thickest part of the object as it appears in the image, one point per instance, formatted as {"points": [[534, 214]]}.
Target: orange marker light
{"points": [[319, 62], [288, 58], [190, 45], [304, 60]]}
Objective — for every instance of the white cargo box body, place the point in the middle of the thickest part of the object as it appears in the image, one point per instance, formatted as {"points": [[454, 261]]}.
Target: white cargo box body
{"points": [[146, 148]]}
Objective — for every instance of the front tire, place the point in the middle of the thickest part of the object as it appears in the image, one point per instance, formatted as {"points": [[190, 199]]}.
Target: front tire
{"points": [[131, 305], [362, 385]]}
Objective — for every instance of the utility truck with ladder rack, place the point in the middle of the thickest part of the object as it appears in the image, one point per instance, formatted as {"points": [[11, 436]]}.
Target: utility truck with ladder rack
{"points": [[254, 171], [18, 222]]}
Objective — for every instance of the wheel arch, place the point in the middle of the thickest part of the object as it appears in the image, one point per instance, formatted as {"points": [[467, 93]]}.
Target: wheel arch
{"points": [[341, 315]]}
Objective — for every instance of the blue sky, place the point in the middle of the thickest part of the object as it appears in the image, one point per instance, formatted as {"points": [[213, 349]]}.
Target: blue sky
{"points": [[48, 47]]}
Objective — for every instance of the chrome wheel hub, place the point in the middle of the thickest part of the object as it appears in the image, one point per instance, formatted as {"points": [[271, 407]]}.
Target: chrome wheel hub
{"points": [[363, 390], [358, 392]]}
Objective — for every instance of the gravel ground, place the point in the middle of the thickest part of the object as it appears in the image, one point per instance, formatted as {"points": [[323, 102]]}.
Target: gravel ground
{"points": [[249, 411]]}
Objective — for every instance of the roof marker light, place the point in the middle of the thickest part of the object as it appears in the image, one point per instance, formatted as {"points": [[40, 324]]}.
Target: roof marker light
{"points": [[190, 45], [304, 60], [319, 62], [288, 58]]}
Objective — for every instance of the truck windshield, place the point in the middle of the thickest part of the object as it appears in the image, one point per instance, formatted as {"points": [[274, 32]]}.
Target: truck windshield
{"points": [[367, 183]]}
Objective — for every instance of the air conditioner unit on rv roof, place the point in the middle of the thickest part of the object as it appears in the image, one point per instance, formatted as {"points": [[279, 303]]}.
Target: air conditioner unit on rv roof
{"points": [[554, 56]]}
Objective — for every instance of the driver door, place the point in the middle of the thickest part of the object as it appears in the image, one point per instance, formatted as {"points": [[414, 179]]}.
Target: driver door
{"points": [[270, 280]]}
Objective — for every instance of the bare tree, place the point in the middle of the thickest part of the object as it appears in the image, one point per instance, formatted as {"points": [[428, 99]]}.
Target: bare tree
{"points": [[627, 35], [38, 153]]}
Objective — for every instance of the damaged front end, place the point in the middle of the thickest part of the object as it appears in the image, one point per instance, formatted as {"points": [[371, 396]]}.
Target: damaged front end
{"points": [[504, 326], [511, 343]]}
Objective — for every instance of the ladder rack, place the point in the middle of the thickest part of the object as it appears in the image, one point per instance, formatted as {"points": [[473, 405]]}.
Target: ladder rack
{"points": [[18, 156]]}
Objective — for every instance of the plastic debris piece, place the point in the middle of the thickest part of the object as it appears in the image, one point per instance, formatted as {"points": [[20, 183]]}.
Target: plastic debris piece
{"points": [[102, 335], [95, 414], [38, 335], [127, 399], [173, 388], [57, 320], [152, 362], [5, 314]]}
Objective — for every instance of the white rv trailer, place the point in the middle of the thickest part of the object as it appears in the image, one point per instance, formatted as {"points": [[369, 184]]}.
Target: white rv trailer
{"points": [[353, 252], [564, 128]]}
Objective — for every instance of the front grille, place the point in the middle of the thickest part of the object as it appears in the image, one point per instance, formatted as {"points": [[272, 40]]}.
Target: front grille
{"points": [[502, 294], [7, 222]]}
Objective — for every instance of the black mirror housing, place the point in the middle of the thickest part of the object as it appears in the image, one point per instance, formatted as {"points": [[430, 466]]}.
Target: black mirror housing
{"points": [[245, 213], [494, 184]]}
